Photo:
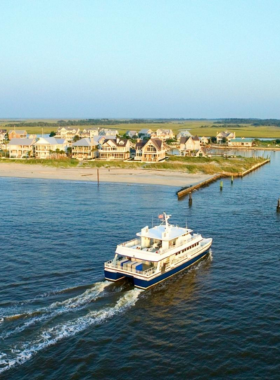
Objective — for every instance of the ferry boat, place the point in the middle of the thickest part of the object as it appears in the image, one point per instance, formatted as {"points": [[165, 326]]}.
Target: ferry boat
{"points": [[156, 254]]}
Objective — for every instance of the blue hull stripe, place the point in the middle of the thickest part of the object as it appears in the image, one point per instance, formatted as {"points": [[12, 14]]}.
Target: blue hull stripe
{"points": [[144, 284]]}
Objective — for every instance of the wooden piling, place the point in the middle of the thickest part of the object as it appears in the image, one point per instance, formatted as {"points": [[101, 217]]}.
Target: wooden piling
{"points": [[190, 199], [232, 179], [186, 190], [278, 205], [98, 176], [221, 185]]}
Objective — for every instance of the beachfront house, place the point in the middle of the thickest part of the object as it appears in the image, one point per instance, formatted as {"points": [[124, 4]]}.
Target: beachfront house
{"points": [[241, 142], [145, 133], [21, 148], [225, 137], [85, 149], [67, 133], [163, 134], [114, 149], [17, 134], [189, 145], [153, 150], [50, 147], [131, 134]]}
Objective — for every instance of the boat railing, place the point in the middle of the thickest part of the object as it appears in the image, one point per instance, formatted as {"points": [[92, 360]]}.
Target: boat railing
{"points": [[147, 272], [130, 243]]}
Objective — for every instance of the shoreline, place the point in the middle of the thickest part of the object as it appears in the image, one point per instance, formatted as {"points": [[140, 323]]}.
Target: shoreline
{"points": [[115, 175]]}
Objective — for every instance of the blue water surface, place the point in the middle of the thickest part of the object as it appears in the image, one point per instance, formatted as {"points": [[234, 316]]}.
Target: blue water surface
{"points": [[61, 320]]}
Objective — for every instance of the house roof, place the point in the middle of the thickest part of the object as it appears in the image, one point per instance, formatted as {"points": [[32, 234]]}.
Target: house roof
{"points": [[49, 140], [196, 138], [242, 140], [144, 131], [117, 142], [17, 141], [86, 142], [184, 139]]}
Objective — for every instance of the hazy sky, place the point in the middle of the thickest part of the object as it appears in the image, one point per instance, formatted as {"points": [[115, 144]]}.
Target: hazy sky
{"points": [[140, 58]]}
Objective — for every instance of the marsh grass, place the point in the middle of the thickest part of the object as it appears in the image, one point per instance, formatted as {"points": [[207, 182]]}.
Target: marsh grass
{"points": [[205, 165]]}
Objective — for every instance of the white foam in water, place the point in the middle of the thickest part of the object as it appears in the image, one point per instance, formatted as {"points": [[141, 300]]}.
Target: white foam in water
{"points": [[56, 308], [50, 336]]}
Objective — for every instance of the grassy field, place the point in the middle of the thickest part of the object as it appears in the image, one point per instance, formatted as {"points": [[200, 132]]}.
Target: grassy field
{"points": [[196, 127], [209, 165]]}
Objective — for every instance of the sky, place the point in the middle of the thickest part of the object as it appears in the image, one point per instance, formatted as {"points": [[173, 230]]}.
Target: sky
{"points": [[139, 58]]}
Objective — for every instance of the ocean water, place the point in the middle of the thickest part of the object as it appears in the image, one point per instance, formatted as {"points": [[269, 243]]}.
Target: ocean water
{"points": [[61, 320]]}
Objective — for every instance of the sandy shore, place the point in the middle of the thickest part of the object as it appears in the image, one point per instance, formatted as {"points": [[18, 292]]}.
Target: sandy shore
{"points": [[152, 177]]}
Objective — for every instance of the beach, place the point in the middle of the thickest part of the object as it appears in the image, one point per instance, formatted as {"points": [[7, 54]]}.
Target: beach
{"points": [[138, 176]]}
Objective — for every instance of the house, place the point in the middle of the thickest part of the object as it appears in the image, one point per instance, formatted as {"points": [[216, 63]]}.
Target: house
{"points": [[183, 133], [153, 150], [204, 140], [163, 134], [67, 133], [241, 142], [108, 132], [85, 149], [131, 134], [89, 132], [115, 149], [48, 147], [189, 144], [225, 136], [17, 134], [145, 133], [21, 148]]}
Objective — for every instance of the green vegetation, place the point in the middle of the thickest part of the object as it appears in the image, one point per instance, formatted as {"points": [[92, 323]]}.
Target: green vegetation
{"points": [[242, 127], [57, 163], [206, 165]]}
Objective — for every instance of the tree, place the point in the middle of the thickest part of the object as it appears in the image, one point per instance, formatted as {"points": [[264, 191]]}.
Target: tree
{"points": [[224, 140], [213, 139], [52, 134], [76, 138]]}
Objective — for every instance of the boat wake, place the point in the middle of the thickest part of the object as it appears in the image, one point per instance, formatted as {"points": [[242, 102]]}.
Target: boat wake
{"points": [[55, 309], [20, 353]]}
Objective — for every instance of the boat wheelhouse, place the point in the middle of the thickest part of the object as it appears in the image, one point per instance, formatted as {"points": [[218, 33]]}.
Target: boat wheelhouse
{"points": [[156, 254]]}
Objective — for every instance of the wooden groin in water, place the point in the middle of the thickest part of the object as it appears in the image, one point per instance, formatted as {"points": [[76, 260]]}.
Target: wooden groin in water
{"points": [[186, 190]]}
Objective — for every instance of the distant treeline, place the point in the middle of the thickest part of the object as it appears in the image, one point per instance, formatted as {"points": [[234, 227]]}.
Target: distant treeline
{"points": [[254, 122], [85, 122]]}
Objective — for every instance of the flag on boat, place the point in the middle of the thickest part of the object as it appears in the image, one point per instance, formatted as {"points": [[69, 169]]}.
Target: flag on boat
{"points": [[160, 216]]}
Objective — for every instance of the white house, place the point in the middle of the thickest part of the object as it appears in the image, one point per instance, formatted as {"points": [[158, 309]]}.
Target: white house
{"points": [[89, 132], [21, 148], [116, 149], [163, 134], [108, 132], [85, 149], [48, 147], [204, 140], [189, 144], [183, 133], [131, 134], [67, 133], [226, 136]]}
